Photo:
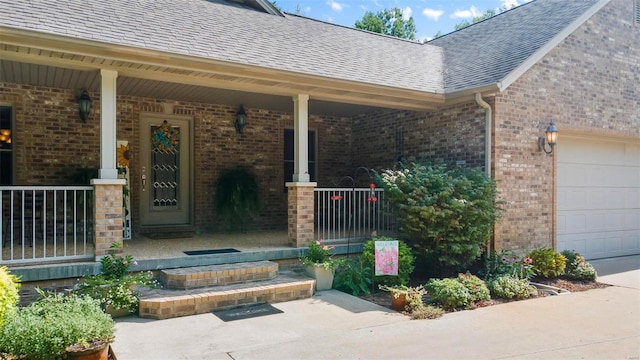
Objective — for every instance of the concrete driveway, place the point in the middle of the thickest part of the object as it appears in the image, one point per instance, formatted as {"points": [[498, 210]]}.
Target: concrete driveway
{"points": [[596, 324]]}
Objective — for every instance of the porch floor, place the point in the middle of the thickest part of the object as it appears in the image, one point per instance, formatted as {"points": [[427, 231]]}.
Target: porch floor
{"points": [[143, 248]]}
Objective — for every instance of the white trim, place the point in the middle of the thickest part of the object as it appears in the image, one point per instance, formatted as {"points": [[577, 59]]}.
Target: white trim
{"points": [[550, 45], [301, 138], [108, 169], [108, 182], [301, 184]]}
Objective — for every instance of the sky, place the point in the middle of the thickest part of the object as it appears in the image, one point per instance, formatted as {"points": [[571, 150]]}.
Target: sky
{"points": [[430, 16]]}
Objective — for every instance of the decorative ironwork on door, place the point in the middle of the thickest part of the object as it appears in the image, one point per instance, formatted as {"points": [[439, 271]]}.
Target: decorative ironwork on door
{"points": [[165, 165]]}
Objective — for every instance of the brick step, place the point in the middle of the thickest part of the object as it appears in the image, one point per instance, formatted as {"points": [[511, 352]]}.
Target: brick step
{"points": [[213, 275], [170, 303]]}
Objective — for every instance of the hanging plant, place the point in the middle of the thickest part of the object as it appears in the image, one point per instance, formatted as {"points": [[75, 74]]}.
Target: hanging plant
{"points": [[237, 197]]}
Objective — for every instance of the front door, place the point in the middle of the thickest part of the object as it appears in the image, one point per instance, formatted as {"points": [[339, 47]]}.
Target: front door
{"points": [[165, 159]]}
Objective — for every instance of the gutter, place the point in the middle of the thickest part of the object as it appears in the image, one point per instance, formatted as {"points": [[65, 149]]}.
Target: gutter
{"points": [[487, 129]]}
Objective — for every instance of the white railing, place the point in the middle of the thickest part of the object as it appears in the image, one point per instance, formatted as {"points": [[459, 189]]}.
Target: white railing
{"points": [[348, 213], [46, 223]]}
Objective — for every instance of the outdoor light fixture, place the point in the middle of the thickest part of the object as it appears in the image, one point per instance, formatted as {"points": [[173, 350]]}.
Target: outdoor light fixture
{"points": [[241, 119], [84, 105], [550, 137]]}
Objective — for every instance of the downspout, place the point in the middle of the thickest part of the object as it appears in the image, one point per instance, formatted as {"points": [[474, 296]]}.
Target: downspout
{"points": [[487, 144]]}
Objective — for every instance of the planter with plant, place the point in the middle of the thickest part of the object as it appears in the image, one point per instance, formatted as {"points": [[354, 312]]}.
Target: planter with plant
{"points": [[56, 326], [237, 197], [405, 298], [319, 264], [115, 287]]}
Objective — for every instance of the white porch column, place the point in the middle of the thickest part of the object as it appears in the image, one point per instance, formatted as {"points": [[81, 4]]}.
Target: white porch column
{"points": [[301, 138], [108, 168]]}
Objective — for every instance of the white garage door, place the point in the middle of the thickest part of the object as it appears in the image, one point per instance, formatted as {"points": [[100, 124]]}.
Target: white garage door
{"points": [[598, 197]]}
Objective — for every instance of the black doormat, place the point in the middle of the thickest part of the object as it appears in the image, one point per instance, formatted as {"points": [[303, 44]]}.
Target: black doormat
{"points": [[246, 312], [212, 251]]}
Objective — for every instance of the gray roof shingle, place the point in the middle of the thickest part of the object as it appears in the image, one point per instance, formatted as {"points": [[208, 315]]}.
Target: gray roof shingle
{"points": [[486, 52], [211, 29]]}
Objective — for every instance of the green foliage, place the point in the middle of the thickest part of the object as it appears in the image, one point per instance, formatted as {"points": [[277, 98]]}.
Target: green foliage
{"points": [[458, 293], [577, 268], [413, 294], [45, 328], [237, 196], [352, 277], [319, 254], [506, 262], [115, 266], [547, 262], [389, 22], [487, 14], [9, 293], [511, 287], [426, 312], [405, 262], [446, 215]]}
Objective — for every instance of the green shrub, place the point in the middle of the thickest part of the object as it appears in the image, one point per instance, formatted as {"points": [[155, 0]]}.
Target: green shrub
{"points": [[577, 267], [511, 287], [478, 290], [9, 293], [426, 312], [547, 262], [506, 262], [45, 328], [237, 196], [449, 293], [352, 277], [446, 215], [405, 262]]}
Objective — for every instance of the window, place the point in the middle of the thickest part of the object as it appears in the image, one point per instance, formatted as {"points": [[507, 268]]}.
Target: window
{"points": [[288, 155], [6, 145]]}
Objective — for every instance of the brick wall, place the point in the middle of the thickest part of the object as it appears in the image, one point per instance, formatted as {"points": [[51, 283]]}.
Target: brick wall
{"points": [[588, 84], [51, 142], [453, 134]]}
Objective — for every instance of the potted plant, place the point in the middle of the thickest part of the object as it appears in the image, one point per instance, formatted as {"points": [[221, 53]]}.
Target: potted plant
{"points": [[57, 327], [319, 264], [115, 287], [405, 298]]}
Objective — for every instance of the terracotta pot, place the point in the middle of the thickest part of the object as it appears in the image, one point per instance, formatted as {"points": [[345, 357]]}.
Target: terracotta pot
{"points": [[323, 276], [100, 352], [400, 302], [116, 313]]}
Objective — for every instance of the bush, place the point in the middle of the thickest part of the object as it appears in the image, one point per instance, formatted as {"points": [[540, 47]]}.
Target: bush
{"points": [[547, 262], [9, 293], [426, 312], [577, 267], [506, 262], [405, 262], [446, 215], [458, 293], [45, 328], [511, 287], [352, 277]]}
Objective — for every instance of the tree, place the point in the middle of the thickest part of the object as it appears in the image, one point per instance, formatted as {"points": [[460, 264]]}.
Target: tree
{"points": [[487, 14], [389, 22]]}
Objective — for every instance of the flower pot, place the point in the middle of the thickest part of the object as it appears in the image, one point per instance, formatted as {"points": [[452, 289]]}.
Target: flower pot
{"points": [[116, 313], [323, 276], [99, 352], [398, 301]]}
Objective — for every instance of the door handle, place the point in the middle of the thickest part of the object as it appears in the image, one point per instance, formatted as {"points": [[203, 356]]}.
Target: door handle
{"points": [[144, 182]]}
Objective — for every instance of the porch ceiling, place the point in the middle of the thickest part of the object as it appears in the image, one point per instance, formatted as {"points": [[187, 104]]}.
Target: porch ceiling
{"points": [[168, 76]]}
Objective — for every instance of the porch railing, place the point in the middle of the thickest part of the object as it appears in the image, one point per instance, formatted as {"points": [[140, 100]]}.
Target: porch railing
{"points": [[46, 224], [347, 213]]}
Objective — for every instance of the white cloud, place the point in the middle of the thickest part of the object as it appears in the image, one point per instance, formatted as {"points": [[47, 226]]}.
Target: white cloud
{"points": [[432, 13], [406, 13], [306, 10], [335, 6], [466, 14], [509, 3]]}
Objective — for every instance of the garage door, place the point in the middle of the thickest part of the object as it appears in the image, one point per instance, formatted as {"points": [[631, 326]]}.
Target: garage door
{"points": [[598, 205]]}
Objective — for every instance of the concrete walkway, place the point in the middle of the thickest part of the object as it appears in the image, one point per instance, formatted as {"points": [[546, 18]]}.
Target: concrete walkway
{"points": [[596, 324]]}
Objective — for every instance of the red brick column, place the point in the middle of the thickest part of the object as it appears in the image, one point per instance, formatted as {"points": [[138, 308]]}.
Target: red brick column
{"points": [[108, 214], [301, 229]]}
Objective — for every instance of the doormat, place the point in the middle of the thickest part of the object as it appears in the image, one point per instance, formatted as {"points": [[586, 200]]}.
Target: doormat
{"points": [[246, 312], [212, 251]]}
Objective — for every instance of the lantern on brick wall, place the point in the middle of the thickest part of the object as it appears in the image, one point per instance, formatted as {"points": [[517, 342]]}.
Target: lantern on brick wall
{"points": [[84, 105], [241, 119], [550, 137]]}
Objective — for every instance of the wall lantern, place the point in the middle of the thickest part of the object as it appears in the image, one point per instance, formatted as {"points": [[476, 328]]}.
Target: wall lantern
{"points": [[550, 137], [241, 119], [84, 105]]}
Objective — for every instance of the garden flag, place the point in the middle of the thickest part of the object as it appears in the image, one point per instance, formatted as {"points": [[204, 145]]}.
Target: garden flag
{"points": [[386, 257]]}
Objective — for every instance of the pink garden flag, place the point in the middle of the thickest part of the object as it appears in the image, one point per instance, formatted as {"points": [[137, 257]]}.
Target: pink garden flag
{"points": [[386, 257]]}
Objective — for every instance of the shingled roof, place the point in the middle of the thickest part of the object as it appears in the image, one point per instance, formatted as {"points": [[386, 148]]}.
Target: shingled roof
{"points": [[483, 54], [487, 52]]}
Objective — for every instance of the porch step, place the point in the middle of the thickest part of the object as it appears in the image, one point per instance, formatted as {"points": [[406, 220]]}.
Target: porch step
{"points": [[212, 275], [170, 303]]}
